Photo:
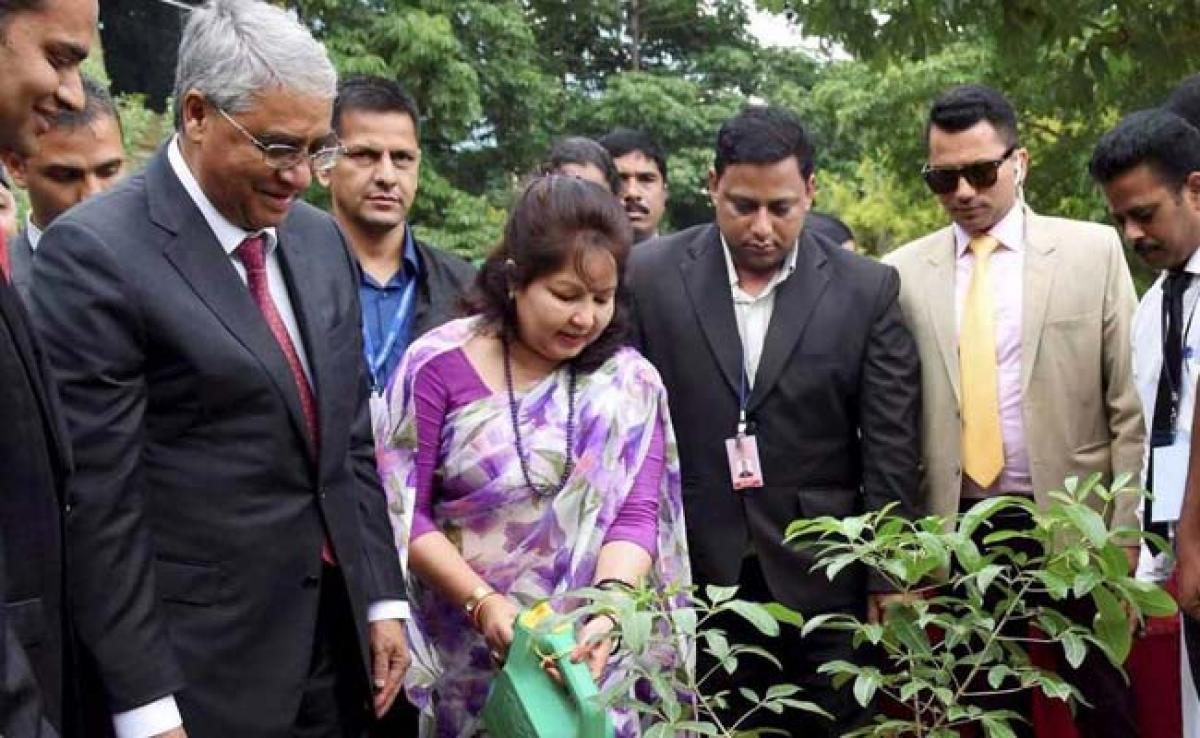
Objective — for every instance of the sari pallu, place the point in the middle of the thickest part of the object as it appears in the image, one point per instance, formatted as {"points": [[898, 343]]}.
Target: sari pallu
{"points": [[526, 545]]}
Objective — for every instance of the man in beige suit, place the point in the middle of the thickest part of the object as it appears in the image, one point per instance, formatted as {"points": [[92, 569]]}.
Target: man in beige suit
{"points": [[1023, 326]]}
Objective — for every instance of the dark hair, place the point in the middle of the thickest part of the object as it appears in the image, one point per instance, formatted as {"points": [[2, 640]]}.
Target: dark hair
{"points": [[556, 220], [581, 151], [829, 226], [373, 94], [1162, 140], [97, 104], [621, 141], [1185, 100], [961, 107], [763, 134]]}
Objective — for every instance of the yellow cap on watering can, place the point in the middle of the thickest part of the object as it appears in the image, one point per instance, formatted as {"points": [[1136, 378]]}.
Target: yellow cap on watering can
{"points": [[526, 702]]}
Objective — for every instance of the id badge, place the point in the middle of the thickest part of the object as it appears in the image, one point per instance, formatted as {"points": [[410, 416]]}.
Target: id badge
{"points": [[745, 471], [379, 412], [1170, 479]]}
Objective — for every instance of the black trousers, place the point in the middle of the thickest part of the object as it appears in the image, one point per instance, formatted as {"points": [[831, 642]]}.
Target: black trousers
{"points": [[1191, 641], [799, 658], [337, 700], [1112, 712]]}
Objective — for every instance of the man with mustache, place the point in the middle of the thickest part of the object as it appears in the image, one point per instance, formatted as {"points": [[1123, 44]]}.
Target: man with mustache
{"points": [[1149, 169], [42, 44], [794, 390], [1023, 324], [233, 566], [642, 164]]}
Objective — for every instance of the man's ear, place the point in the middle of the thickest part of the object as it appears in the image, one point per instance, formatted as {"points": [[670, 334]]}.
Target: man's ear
{"points": [[1191, 190], [15, 164], [196, 116], [714, 179]]}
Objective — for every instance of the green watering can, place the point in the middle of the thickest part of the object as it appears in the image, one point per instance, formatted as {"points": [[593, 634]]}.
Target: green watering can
{"points": [[525, 702]]}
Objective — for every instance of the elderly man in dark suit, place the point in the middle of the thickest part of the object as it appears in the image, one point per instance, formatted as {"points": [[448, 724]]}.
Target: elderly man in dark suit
{"points": [[763, 333], [41, 47], [233, 571]]}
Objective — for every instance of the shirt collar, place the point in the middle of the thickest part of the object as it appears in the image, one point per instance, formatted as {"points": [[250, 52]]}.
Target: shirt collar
{"points": [[1010, 231], [33, 234], [409, 268], [785, 269], [229, 235], [1193, 264]]}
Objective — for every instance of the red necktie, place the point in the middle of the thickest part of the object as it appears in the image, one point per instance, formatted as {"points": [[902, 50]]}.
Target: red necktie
{"points": [[5, 264], [253, 254]]}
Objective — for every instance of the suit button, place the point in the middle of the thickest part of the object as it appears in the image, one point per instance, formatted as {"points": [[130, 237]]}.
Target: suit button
{"points": [[310, 581], [322, 493]]}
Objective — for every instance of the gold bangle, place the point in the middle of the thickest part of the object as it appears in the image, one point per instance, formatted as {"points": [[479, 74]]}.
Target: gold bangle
{"points": [[472, 602]]}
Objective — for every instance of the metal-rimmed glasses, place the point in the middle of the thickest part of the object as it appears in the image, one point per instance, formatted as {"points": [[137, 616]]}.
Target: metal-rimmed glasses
{"points": [[980, 175], [281, 157]]}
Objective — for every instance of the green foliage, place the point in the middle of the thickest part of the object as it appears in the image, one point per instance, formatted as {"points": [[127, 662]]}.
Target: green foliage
{"points": [[961, 628]]}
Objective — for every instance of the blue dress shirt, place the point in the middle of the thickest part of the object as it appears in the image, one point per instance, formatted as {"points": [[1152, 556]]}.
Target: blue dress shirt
{"points": [[380, 303]]}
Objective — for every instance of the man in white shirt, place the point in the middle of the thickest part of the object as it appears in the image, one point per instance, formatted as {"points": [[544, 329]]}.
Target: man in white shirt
{"points": [[234, 568], [80, 156], [1149, 167]]}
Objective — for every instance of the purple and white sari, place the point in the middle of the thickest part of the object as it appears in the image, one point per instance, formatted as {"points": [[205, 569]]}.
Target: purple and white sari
{"points": [[523, 544]]}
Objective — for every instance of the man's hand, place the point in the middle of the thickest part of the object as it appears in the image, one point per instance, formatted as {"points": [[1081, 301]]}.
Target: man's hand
{"points": [[1187, 570], [878, 604], [389, 653], [173, 733]]}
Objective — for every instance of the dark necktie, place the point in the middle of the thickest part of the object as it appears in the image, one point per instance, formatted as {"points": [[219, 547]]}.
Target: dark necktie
{"points": [[253, 254], [1170, 377]]}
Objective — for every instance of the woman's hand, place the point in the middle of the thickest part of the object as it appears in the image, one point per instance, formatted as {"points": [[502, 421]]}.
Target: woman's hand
{"points": [[496, 615], [595, 644]]}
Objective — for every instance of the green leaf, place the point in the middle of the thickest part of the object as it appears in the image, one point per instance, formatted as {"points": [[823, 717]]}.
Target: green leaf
{"points": [[1074, 648], [864, 688], [996, 728], [1088, 522], [1150, 598], [1111, 625], [756, 615], [784, 614], [716, 595]]}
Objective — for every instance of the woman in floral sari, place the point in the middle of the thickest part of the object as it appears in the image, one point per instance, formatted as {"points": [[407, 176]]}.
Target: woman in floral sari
{"points": [[529, 453]]}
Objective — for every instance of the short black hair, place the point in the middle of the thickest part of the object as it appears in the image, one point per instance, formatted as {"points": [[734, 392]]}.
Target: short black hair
{"points": [[963, 106], [621, 141], [829, 226], [581, 150], [1185, 100], [1158, 138], [762, 134], [373, 94], [97, 103]]}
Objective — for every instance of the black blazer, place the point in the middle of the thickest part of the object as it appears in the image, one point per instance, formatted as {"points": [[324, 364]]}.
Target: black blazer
{"points": [[198, 510], [20, 256], [443, 280], [34, 462], [834, 406]]}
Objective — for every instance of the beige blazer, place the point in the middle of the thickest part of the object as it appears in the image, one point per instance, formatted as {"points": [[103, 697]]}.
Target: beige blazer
{"points": [[1080, 405]]}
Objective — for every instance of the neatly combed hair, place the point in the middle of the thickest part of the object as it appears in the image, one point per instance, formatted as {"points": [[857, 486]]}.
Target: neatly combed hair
{"points": [[557, 220], [371, 94], [581, 151], [233, 49], [762, 134], [962, 107], [1158, 138], [621, 141], [1185, 100], [97, 104]]}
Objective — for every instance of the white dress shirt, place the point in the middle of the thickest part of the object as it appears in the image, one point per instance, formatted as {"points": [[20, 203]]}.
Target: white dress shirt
{"points": [[163, 714], [753, 312], [33, 234]]}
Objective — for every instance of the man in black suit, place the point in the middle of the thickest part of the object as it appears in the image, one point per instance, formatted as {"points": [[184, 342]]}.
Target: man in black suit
{"points": [[766, 334], [41, 47], [81, 155], [233, 566]]}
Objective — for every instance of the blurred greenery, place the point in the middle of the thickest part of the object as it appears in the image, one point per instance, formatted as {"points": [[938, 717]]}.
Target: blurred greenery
{"points": [[498, 80]]}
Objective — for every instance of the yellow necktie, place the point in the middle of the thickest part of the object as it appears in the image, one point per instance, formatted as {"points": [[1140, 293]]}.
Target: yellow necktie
{"points": [[982, 444]]}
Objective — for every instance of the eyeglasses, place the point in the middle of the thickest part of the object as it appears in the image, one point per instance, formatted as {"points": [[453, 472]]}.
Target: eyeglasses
{"points": [[980, 175], [284, 156]]}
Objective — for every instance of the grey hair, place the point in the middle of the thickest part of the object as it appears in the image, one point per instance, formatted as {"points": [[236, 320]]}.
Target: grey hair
{"points": [[233, 49]]}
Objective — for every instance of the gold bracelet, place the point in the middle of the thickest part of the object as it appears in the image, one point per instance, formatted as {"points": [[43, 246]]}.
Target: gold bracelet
{"points": [[477, 596]]}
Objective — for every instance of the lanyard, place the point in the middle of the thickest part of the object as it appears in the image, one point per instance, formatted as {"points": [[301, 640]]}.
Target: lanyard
{"points": [[376, 359], [742, 393], [1184, 350]]}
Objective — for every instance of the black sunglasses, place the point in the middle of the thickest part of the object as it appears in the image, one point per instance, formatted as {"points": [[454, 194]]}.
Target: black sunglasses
{"points": [[981, 174]]}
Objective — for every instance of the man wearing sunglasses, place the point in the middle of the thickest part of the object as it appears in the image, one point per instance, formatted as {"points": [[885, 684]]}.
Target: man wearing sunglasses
{"points": [[1023, 325], [234, 573]]}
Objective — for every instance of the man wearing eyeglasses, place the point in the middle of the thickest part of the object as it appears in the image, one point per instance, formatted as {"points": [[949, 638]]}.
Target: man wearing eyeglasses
{"points": [[234, 573], [1023, 325]]}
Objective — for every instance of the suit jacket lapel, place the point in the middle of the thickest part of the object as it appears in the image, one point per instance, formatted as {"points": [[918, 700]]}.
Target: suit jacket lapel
{"points": [[197, 255], [796, 300], [1040, 260], [304, 277], [942, 308], [707, 281]]}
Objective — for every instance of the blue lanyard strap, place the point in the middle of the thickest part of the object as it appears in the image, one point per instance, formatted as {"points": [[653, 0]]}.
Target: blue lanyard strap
{"points": [[376, 359]]}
